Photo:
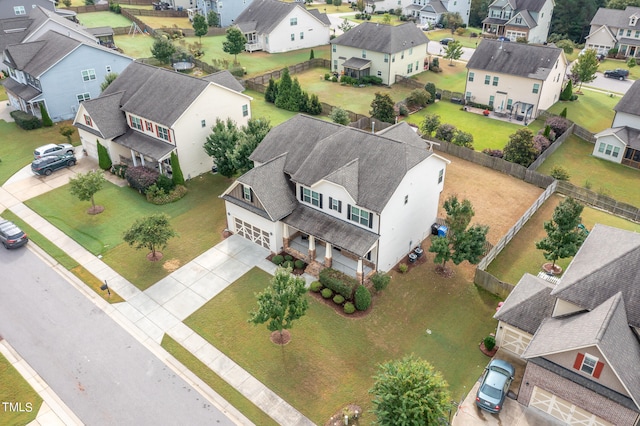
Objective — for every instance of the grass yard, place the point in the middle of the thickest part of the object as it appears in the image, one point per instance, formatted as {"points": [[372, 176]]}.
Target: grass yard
{"points": [[376, 18], [326, 363], [606, 177], [198, 218], [15, 389], [138, 46], [592, 110], [158, 22], [3, 94], [487, 133], [609, 64], [465, 40], [262, 108], [521, 255], [99, 19]]}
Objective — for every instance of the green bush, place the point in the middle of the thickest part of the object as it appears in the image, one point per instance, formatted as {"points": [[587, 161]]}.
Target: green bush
{"points": [[403, 268], [277, 259], [327, 76], [338, 299], [299, 264], [46, 120], [362, 298], [288, 264], [380, 281], [159, 196], [237, 71], [141, 177], [349, 308], [315, 286], [560, 173], [338, 282], [165, 183], [326, 293], [370, 79], [489, 343], [288, 257], [347, 80], [119, 170], [25, 120]]}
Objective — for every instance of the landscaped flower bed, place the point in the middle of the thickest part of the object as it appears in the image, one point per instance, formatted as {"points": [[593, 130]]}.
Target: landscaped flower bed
{"points": [[287, 261], [341, 292]]}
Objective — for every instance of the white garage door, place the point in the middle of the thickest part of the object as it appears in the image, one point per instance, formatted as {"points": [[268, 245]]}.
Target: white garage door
{"points": [[252, 233], [564, 410], [514, 340]]}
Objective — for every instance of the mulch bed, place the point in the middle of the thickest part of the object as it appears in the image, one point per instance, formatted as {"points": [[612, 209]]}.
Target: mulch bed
{"points": [[283, 254], [95, 210], [338, 418], [280, 339], [484, 350], [152, 258], [339, 309]]}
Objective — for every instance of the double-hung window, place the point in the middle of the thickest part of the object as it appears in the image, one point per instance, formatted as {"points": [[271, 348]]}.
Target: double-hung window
{"points": [[360, 216], [83, 97], [487, 79], [163, 133], [311, 197], [536, 88], [136, 123], [88, 75]]}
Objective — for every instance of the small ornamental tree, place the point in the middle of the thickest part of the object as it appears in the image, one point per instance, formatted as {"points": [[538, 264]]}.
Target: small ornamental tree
{"points": [[84, 186], [283, 96], [220, 145], [281, 303], [453, 52], [567, 92], [213, 20], [380, 281], [520, 148], [46, 120], [272, 91], [382, 108], [234, 43], [67, 132], [200, 26], [163, 50], [108, 79], [311, 55], [463, 139], [446, 132], [151, 232], [176, 170], [430, 124], [431, 88], [104, 161], [585, 67], [340, 116]]}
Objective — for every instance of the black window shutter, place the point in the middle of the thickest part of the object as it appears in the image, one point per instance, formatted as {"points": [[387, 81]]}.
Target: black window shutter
{"points": [[339, 206], [348, 211], [330, 203], [250, 195], [301, 193], [320, 200], [242, 190], [370, 220]]}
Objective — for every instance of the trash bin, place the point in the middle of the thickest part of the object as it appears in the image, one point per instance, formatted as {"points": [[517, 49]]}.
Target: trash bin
{"points": [[442, 231], [434, 229]]}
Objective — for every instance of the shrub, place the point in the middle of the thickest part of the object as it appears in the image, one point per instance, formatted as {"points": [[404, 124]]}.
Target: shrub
{"points": [[347, 80], [338, 282], [141, 177], [541, 143], [370, 79], [25, 120], [460, 31], [299, 264], [288, 257], [493, 152], [431, 88], [176, 170], [165, 183], [104, 161], [560, 173], [327, 76], [46, 120], [338, 299], [418, 98], [277, 259], [326, 293], [380, 281], [334, 79], [362, 298], [119, 170], [403, 268], [566, 45], [402, 110], [159, 196], [563, 113], [558, 124], [446, 132], [489, 343], [288, 264], [587, 184], [237, 71], [115, 7], [349, 308], [315, 286]]}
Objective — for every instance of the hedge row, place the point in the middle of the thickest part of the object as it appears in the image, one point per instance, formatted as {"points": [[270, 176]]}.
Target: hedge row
{"points": [[339, 282], [25, 120]]}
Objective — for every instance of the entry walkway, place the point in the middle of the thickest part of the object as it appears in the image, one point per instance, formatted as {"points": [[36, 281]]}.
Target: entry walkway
{"points": [[161, 308]]}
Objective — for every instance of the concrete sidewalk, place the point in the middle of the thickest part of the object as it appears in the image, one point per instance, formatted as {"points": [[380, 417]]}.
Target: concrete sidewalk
{"points": [[161, 308]]}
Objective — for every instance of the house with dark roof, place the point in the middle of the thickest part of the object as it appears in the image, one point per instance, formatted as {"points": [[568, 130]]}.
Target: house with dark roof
{"points": [[147, 113], [338, 196], [18, 8], [513, 19], [430, 12], [380, 50], [615, 29], [620, 143], [58, 72], [517, 80], [579, 337], [275, 26]]}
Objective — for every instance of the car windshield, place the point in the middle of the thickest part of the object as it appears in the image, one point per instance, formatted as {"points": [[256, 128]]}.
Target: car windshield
{"points": [[491, 392]]}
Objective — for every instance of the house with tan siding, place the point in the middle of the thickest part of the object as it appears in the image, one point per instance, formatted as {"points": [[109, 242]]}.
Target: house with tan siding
{"points": [[614, 28]]}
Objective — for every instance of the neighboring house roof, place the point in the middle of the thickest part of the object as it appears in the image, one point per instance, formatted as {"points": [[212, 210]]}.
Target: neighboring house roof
{"points": [[262, 16], [627, 135], [23, 91], [596, 274], [100, 31], [402, 131], [616, 18], [357, 63], [528, 304], [435, 6], [36, 57], [603, 28], [630, 102], [226, 79], [382, 38], [106, 115], [13, 31], [322, 17], [526, 17], [523, 60], [40, 16]]}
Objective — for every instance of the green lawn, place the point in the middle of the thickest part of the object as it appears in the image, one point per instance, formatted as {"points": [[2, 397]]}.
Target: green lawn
{"points": [[376, 18], [331, 359], [15, 389], [198, 218], [99, 19], [521, 255], [465, 40], [138, 46], [592, 110], [262, 108], [606, 177], [3, 94]]}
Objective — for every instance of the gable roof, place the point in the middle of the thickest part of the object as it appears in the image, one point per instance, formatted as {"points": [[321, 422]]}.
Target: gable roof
{"points": [[13, 30], [226, 79], [523, 60], [526, 17], [402, 131], [627, 135], [630, 102], [106, 114], [40, 16], [263, 16], [528, 304], [434, 6], [616, 18], [38, 56], [596, 274], [382, 38], [519, 5]]}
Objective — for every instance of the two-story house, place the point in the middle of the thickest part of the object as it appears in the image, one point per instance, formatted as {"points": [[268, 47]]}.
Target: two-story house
{"points": [[339, 194], [147, 113], [380, 50], [430, 12], [579, 337], [515, 79], [57, 71], [613, 28], [227, 11], [620, 143], [530, 19], [275, 26]]}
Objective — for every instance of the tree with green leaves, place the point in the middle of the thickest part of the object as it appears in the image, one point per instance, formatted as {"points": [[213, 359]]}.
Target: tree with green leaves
{"points": [[382, 108], [453, 52], [84, 187], [200, 26], [283, 96], [571, 17], [622, 4], [585, 67], [46, 120], [163, 50], [361, 5], [271, 93], [296, 99], [520, 149], [410, 392], [281, 303], [108, 79], [430, 124], [67, 132], [234, 43], [452, 20], [478, 12], [431, 88], [150, 232], [250, 137], [213, 20], [345, 25], [462, 242], [340, 116], [386, 19], [567, 92], [104, 160], [220, 145], [311, 55], [176, 170], [564, 236], [464, 139]]}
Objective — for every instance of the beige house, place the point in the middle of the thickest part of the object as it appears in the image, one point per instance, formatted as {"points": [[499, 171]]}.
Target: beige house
{"points": [[148, 112], [613, 28], [513, 19], [516, 80], [380, 50]]}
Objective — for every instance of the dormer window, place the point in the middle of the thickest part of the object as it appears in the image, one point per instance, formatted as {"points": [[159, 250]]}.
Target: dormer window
{"points": [[136, 123], [633, 20], [312, 197], [246, 193], [588, 364]]}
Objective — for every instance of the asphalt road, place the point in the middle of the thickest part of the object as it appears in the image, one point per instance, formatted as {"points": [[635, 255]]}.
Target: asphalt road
{"points": [[103, 374]]}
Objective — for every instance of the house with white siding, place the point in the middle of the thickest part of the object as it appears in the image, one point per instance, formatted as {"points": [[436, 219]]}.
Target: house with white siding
{"points": [[430, 12], [513, 19]]}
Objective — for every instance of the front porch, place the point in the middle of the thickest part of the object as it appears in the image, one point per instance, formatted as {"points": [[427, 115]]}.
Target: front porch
{"points": [[137, 149], [631, 158]]}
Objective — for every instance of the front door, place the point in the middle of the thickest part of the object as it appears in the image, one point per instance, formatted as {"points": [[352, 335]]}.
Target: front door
{"points": [[500, 102]]}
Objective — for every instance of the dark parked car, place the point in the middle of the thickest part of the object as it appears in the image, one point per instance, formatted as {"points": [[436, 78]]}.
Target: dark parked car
{"points": [[11, 236], [495, 385], [618, 73], [446, 41], [47, 165], [52, 149], [504, 39]]}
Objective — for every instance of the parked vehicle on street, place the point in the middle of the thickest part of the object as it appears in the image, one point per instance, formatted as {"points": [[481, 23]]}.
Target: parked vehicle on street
{"points": [[502, 38], [47, 165], [495, 384], [446, 41], [52, 149], [618, 73], [11, 236]]}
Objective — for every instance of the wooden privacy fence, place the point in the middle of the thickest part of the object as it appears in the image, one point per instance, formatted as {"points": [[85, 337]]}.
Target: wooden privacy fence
{"points": [[88, 8], [408, 82], [143, 27], [552, 148], [159, 13]]}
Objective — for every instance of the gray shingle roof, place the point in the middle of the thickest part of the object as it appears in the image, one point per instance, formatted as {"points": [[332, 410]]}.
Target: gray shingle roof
{"points": [[528, 304], [402, 131], [630, 102], [263, 16], [226, 79], [23, 91], [382, 38], [524, 60], [531, 5], [106, 114], [436, 6], [144, 144], [628, 135], [616, 18], [37, 57], [603, 267], [100, 31], [13, 31], [357, 63]]}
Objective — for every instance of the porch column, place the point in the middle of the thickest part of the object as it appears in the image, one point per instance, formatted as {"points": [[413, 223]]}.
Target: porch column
{"points": [[142, 159], [160, 167], [312, 248], [328, 258], [359, 271], [285, 236], [134, 158]]}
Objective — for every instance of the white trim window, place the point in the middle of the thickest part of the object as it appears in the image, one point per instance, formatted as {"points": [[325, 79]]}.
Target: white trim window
{"points": [[312, 197], [136, 122], [293, 21], [246, 192], [19, 10], [589, 363], [360, 216], [163, 133], [83, 97], [245, 110], [88, 75]]}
